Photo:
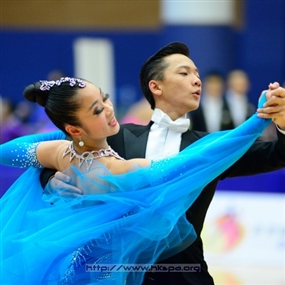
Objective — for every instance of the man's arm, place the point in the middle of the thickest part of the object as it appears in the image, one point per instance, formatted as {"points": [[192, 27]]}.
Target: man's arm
{"points": [[46, 175], [265, 156]]}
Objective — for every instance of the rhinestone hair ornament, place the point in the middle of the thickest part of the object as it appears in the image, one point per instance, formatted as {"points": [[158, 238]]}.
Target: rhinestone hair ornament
{"points": [[47, 85]]}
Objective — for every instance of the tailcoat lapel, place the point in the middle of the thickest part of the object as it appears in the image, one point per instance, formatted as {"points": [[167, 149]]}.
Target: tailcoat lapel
{"points": [[188, 138], [135, 141]]}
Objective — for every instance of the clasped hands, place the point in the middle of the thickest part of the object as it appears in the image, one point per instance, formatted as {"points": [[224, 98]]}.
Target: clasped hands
{"points": [[274, 108]]}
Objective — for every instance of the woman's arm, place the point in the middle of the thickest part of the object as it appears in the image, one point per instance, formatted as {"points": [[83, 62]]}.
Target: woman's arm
{"points": [[49, 154], [124, 166], [21, 152]]}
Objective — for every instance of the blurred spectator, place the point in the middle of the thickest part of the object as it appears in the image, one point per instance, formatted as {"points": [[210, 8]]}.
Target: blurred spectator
{"points": [[213, 113], [23, 111], [238, 85], [11, 126], [139, 113]]}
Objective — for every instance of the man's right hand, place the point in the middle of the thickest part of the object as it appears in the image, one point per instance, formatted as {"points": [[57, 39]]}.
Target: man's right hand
{"points": [[58, 188]]}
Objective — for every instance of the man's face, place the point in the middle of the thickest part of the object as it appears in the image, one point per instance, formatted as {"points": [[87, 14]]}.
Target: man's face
{"points": [[180, 88]]}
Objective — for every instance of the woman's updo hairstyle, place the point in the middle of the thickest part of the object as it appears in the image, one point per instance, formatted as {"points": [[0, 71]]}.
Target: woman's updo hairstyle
{"points": [[58, 99], [33, 93]]}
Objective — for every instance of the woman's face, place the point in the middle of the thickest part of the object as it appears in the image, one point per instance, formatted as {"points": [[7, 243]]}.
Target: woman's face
{"points": [[96, 114]]}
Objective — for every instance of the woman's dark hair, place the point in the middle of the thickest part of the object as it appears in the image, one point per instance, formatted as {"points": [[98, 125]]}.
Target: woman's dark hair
{"points": [[58, 99], [155, 66]]}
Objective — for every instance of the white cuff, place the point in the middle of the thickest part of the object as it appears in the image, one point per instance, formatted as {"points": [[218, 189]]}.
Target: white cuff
{"points": [[281, 131]]}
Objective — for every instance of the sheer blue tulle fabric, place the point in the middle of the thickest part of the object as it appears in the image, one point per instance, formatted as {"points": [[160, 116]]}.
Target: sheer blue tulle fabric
{"points": [[135, 218]]}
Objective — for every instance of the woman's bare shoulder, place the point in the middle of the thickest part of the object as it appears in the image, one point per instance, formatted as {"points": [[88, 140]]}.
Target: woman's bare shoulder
{"points": [[117, 166], [49, 154]]}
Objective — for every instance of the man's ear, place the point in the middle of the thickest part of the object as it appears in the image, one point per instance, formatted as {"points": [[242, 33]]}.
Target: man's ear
{"points": [[154, 87], [73, 131]]}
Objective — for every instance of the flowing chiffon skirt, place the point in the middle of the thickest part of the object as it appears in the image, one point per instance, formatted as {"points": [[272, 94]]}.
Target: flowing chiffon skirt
{"points": [[136, 218]]}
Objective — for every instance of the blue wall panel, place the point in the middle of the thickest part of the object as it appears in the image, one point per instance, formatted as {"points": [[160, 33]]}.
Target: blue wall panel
{"points": [[261, 48], [211, 47], [27, 56], [258, 48]]}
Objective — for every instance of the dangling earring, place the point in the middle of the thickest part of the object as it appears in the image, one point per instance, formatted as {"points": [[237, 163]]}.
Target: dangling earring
{"points": [[81, 143]]}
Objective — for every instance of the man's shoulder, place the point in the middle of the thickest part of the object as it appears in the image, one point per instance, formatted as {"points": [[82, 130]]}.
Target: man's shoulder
{"points": [[196, 135], [133, 127], [136, 130]]}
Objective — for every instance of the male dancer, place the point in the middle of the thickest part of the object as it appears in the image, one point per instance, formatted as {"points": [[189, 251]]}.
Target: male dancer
{"points": [[171, 84]]}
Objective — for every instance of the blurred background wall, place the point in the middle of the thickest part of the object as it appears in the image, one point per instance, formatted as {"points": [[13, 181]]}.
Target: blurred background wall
{"points": [[38, 36]]}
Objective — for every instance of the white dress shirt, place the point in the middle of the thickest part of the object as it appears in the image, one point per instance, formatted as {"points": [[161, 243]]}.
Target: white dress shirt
{"points": [[165, 135]]}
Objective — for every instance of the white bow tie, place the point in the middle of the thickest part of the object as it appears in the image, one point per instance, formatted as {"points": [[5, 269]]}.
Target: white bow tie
{"points": [[180, 125]]}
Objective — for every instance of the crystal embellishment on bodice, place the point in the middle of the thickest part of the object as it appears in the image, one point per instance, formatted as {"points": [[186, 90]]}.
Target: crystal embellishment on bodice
{"points": [[88, 157]]}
